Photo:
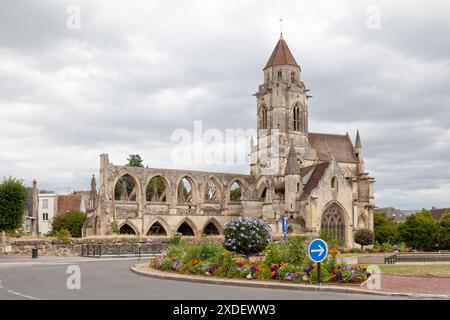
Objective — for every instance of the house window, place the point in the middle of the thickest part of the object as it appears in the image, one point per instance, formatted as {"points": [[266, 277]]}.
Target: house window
{"points": [[280, 74], [45, 204], [292, 76], [45, 216]]}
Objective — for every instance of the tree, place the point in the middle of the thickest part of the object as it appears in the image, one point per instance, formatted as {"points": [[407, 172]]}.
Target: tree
{"points": [[444, 232], [364, 237], [386, 231], [13, 203], [134, 160], [71, 221], [419, 231]]}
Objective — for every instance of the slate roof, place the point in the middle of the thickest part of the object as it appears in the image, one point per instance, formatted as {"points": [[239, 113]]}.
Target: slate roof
{"points": [[438, 213], [340, 146], [316, 173], [281, 55], [292, 166]]}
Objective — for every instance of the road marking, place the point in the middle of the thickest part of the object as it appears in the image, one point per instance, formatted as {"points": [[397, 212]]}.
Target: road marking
{"points": [[63, 262], [23, 295], [18, 293]]}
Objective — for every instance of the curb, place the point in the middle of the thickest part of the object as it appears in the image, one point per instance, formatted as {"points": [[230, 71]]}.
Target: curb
{"points": [[269, 285]]}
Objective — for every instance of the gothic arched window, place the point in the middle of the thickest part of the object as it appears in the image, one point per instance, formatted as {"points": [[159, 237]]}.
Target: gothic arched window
{"points": [[280, 75], [333, 223], [263, 117], [296, 118], [293, 76]]}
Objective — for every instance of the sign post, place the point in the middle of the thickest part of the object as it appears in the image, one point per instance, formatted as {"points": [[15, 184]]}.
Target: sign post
{"points": [[318, 251], [285, 227]]}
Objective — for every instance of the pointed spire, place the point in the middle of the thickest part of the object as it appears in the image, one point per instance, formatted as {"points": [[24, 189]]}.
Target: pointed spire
{"points": [[358, 144], [281, 55], [93, 184], [291, 164]]}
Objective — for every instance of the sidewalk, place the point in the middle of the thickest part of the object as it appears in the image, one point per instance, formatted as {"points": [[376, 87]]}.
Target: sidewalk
{"points": [[416, 285]]}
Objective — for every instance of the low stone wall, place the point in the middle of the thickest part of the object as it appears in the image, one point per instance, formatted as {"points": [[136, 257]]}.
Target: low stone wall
{"points": [[48, 246], [56, 247]]}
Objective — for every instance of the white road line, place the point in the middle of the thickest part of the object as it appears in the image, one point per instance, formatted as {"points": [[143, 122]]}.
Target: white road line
{"points": [[17, 293], [23, 295]]}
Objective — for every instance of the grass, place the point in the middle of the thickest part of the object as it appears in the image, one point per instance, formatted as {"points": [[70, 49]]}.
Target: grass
{"points": [[433, 270]]}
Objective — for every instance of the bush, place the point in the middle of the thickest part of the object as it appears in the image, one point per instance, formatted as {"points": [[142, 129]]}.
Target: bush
{"points": [[364, 237], [71, 221], [63, 235], [246, 235], [115, 228]]}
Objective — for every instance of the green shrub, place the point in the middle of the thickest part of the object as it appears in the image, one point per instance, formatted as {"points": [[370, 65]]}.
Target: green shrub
{"points": [[204, 251], [72, 221], [246, 235], [63, 235], [115, 228]]}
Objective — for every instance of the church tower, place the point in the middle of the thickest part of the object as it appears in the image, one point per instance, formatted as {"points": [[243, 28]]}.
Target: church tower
{"points": [[282, 112]]}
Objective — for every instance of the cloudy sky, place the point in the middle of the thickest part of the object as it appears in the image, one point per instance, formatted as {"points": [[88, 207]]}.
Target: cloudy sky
{"points": [[137, 70]]}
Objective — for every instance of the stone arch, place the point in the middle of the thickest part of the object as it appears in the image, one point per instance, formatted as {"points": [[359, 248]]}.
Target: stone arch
{"points": [[189, 223], [162, 223], [242, 186], [162, 184], [214, 223], [262, 189], [334, 221], [133, 192], [191, 196], [127, 228], [212, 190], [362, 220]]}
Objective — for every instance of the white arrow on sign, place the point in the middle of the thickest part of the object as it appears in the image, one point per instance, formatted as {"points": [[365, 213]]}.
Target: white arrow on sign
{"points": [[320, 250]]}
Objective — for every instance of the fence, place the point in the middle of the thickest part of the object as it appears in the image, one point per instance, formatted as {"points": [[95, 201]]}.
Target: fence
{"points": [[120, 250], [417, 257]]}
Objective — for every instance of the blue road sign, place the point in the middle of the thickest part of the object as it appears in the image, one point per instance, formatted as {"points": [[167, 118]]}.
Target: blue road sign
{"points": [[285, 224], [317, 250]]}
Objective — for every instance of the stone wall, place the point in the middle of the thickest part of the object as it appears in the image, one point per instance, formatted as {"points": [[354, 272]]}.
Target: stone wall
{"points": [[56, 247]]}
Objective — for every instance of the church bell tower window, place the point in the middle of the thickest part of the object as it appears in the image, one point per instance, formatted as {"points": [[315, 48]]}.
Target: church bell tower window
{"points": [[296, 118]]}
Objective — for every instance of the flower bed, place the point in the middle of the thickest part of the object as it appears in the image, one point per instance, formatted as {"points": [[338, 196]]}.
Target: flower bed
{"points": [[281, 261]]}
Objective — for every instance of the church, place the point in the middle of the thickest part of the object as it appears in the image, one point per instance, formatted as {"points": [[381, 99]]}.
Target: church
{"points": [[316, 180]]}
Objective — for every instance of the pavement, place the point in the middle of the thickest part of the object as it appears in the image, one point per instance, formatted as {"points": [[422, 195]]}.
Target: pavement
{"points": [[111, 278]]}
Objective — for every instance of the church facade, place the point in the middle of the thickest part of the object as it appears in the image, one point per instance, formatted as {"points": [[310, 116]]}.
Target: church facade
{"points": [[318, 181]]}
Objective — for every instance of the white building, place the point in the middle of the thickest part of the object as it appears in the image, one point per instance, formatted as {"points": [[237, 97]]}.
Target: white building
{"points": [[46, 210]]}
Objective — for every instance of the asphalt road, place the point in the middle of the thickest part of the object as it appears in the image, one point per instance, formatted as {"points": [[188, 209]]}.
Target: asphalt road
{"points": [[46, 278]]}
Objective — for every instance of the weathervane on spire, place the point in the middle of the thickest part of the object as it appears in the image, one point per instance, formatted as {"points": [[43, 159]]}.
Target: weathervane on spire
{"points": [[281, 27]]}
